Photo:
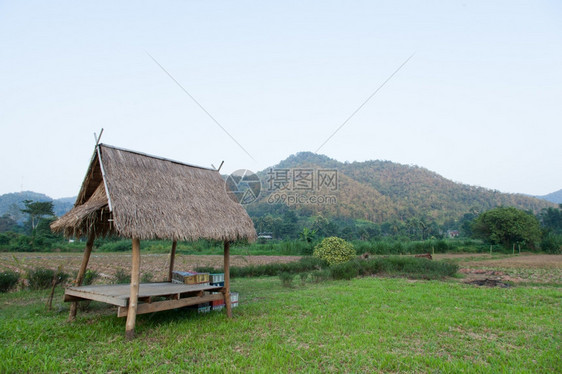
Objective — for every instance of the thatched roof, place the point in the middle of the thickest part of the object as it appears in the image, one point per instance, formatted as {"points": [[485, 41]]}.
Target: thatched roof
{"points": [[131, 194]]}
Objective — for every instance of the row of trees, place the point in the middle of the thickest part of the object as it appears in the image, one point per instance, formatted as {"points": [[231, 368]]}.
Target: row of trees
{"points": [[35, 232], [503, 225]]}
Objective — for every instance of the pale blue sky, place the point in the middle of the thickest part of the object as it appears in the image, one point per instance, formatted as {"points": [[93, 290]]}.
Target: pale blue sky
{"points": [[479, 103]]}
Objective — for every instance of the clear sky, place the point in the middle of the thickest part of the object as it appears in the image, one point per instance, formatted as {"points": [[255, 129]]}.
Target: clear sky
{"points": [[480, 102]]}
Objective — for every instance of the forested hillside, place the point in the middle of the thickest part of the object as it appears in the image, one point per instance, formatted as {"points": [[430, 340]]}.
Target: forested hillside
{"points": [[11, 203], [553, 197], [380, 191]]}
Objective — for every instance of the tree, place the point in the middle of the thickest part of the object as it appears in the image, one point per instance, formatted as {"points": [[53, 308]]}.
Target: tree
{"points": [[507, 226], [7, 223], [307, 235], [37, 210], [551, 219]]}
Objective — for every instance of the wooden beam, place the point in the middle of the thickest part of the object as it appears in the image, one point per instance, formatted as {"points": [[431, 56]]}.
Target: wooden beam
{"points": [[80, 276], [133, 299], [71, 295], [169, 304], [226, 289], [172, 258]]}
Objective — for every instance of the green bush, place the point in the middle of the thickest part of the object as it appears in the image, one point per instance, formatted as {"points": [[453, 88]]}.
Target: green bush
{"points": [[286, 279], [89, 277], [334, 250], [146, 278], [303, 277], [345, 270], [8, 279], [121, 277], [303, 265], [552, 243], [117, 246], [320, 275], [41, 278]]}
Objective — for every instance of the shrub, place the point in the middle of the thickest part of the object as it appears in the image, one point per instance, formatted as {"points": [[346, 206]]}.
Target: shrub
{"points": [[89, 277], [8, 279], [41, 278], [303, 265], [146, 278], [121, 277], [303, 277], [286, 279], [117, 246], [320, 275], [346, 270], [552, 243], [334, 250]]}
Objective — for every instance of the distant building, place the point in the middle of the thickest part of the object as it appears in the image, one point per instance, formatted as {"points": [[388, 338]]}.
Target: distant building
{"points": [[453, 233], [265, 236]]}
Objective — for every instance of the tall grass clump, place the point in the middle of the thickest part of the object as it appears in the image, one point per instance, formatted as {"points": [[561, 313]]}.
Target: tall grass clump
{"points": [[121, 277], [41, 278], [287, 279], [305, 264], [552, 243], [8, 280], [89, 277], [394, 265]]}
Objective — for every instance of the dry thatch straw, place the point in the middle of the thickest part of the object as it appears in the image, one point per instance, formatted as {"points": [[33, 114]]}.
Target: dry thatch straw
{"points": [[134, 195]]}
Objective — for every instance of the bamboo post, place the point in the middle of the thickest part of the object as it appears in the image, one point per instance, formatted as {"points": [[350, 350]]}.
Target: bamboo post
{"points": [[227, 279], [133, 299], [172, 258], [81, 272]]}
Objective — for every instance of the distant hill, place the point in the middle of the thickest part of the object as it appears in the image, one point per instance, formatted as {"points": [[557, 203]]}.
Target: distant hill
{"points": [[553, 197], [380, 191], [377, 191], [11, 203]]}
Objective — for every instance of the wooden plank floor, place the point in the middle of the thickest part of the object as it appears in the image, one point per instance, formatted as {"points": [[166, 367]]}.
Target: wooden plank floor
{"points": [[118, 294]]}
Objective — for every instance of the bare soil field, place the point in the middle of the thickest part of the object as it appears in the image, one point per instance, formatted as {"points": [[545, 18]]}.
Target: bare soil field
{"points": [[525, 260], [106, 264], [524, 268]]}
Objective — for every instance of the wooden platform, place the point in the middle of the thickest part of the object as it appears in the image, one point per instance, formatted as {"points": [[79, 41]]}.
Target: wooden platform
{"points": [[179, 295]]}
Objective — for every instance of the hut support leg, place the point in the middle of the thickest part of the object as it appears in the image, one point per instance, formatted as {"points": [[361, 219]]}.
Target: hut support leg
{"points": [[172, 258], [133, 299], [81, 272], [227, 279]]}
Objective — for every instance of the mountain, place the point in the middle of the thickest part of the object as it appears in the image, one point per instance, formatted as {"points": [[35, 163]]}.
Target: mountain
{"points": [[11, 203], [553, 197], [377, 191]]}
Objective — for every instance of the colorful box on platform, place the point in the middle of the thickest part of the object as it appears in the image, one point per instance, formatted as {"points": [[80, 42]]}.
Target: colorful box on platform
{"points": [[216, 279], [181, 276], [204, 308], [190, 278], [217, 304], [234, 299], [202, 278]]}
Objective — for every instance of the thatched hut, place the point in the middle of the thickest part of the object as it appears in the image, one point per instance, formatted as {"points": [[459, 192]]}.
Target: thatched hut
{"points": [[137, 196]]}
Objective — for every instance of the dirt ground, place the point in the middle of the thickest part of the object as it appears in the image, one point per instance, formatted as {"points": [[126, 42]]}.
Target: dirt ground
{"points": [[106, 264], [525, 260], [523, 268]]}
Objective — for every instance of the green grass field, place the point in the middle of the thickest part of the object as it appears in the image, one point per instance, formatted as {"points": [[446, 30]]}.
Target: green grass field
{"points": [[362, 325]]}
